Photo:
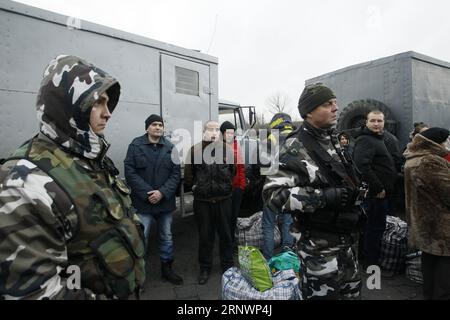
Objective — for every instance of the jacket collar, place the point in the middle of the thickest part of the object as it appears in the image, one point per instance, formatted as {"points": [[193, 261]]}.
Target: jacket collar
{"points": [[320, 134], [366, 131], [162, 142], [421, 146]]}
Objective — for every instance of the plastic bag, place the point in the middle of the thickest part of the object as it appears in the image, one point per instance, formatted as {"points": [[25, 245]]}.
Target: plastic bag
{"points": [[285, 261], [236, 287], [394, 245], [254, 268], [249, 231]]}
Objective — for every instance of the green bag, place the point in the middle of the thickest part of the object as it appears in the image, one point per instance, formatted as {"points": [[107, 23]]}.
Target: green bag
{"points": [[285, 261], [254, 268]]}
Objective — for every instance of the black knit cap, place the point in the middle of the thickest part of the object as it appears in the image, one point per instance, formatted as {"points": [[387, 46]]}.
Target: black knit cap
{"points": [[313, 96], [153, 118], [436, 134], [226, 126]]}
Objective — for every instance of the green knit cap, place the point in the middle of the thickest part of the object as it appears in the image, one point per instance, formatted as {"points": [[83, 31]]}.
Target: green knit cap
{"points": [[313, 96]]}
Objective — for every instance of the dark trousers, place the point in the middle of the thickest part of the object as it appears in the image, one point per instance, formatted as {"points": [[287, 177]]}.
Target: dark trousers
{"points": [[377, 210], [436, 277], [236, 204], [212, 217]]}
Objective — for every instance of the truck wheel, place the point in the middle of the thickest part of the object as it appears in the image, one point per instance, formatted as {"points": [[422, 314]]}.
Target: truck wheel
{"points": [[354, 115]]}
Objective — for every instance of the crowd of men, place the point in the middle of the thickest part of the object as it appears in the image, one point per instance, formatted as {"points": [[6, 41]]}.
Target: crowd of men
{"points": [[63, 204]]}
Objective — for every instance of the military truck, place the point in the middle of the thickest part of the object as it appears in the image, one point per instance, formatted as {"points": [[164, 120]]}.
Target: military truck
{"points": [[156, 77], [178, 83], [408, 87]]}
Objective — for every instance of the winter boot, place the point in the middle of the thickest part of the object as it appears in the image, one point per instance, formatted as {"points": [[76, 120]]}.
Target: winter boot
{"points": [[169, 275]]}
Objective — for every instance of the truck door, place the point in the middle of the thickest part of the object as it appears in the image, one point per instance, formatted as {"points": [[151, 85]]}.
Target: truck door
{"points": [[185, 94], [186, 98]]}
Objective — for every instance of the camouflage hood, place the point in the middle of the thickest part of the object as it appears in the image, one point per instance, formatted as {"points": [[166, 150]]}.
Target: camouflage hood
{"points": [[68, 91]]}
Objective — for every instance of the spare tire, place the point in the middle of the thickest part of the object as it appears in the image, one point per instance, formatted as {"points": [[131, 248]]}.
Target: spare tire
{"points": [[354, 115]]}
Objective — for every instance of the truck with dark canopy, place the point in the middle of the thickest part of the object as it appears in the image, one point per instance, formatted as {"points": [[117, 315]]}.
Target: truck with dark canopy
{"points": [[408, 87]]}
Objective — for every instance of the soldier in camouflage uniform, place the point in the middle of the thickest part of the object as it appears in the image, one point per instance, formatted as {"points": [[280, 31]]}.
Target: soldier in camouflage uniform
{"points": [[62, 204], [317, 183]]}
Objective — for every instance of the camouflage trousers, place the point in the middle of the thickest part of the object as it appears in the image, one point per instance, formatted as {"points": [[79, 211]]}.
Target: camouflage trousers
{"points": [[329, 269]]}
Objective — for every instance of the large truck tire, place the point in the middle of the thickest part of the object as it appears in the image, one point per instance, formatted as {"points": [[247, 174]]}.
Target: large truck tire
{"points": [[354, 115]]}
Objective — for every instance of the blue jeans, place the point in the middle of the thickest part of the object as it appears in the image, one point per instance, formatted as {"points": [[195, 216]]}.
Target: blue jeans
{"points": [[269, 220], [165, 243]]}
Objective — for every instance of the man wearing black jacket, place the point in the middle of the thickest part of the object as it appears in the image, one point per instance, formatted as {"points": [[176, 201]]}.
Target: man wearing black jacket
{"points": [[393, 147], [378, 170], [210, 170]]}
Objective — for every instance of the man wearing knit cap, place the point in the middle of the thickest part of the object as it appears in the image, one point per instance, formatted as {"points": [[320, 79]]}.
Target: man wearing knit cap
{"points": [[318, 185], [209, 172], [281, 127], [239, 181], [154, 179], [427, 189]]}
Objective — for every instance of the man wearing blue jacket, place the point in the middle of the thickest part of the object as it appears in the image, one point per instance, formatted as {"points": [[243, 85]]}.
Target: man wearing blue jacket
{"points": [[154, 178]]}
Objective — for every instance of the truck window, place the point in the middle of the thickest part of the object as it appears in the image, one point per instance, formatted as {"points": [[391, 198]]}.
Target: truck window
{"points": [[186, 81], [232, 116]]}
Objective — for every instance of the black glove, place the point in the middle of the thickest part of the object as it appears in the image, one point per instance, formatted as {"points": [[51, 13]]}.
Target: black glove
{"points": [[295, 226], [336, 198], [279, 200]]}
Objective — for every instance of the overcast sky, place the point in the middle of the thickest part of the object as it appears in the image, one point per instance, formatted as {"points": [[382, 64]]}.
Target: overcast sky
{"points": [[270, 46]]}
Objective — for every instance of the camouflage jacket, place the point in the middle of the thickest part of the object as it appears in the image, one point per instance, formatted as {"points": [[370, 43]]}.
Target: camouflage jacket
{"points": [[62, 204], [303, 180]]}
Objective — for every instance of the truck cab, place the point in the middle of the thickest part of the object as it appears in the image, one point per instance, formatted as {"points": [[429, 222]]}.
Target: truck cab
{"points": [[233, 112], [247, 138]]}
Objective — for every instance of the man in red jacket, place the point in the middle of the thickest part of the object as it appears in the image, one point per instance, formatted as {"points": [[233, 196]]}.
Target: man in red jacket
{"points": [[228, 132]]}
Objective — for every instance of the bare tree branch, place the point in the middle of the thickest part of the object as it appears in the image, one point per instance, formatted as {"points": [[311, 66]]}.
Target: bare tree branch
{"points": [[278, 102]]}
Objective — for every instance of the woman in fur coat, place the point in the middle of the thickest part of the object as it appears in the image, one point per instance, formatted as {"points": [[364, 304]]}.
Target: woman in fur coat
{"points": [[427, 187]]}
